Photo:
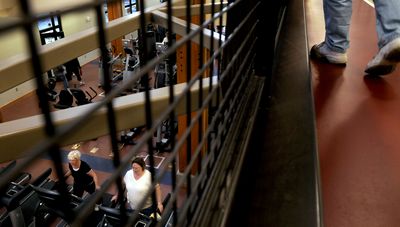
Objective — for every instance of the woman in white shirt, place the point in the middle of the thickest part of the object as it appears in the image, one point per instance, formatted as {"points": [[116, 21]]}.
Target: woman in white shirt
{"points": [[138, 183], [165, 40]]}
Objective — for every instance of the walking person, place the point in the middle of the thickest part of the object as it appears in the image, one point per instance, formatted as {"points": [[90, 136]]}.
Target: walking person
{"points": [[337, 23], [73, 67], [138, 182], [85, 179]]}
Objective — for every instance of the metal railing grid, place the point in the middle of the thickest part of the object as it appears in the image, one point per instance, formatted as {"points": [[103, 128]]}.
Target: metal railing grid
{"points": [[220, 104]]}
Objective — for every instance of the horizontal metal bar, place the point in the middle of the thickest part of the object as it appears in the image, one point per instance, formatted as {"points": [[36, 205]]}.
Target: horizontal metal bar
{"points": [[13, 132]]}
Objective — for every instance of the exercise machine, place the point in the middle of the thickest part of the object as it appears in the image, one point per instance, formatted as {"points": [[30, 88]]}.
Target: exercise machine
{"points": [[112, 217], [63, 206], [22, 204], [165, 74], [110, 64], [66, 97], [132, 63], [50, 92], [128, 136], [165, 71], [65, 100], [81, 98], [165, 135]]}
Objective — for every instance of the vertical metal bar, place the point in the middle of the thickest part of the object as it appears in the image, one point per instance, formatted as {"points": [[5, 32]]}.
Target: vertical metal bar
{"points": [[60, 24], [211, 53], [172, 114], [200, 100], [41, 92], [110, 109], [53, 26], [201, 56], [210, 105], [219, 58], [149, 120], [219, 69], [188, 96]]}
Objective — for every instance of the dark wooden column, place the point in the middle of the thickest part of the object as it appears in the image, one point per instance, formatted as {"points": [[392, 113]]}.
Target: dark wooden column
{"points": [[114, 12], [181, 78]]}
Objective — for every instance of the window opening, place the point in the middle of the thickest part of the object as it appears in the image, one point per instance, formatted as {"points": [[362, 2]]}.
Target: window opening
{"points": [[130, 6], [50, 29]]}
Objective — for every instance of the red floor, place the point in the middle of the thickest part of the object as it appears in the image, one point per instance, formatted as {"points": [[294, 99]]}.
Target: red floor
{"points": [[358, 128]]}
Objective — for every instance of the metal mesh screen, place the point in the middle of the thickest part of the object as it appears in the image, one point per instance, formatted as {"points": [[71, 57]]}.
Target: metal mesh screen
{"points": [[220, 79]]}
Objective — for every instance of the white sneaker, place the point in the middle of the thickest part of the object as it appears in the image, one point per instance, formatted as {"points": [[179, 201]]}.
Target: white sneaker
{"points": [[322, 52], [385, 61]]}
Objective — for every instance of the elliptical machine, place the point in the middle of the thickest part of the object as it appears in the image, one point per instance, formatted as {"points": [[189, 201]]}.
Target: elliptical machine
{"points": [[110, 69], [132, 63]]}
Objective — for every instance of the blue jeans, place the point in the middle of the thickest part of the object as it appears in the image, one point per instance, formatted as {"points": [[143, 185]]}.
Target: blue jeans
{"points": [[65, 82], [337, 22]]}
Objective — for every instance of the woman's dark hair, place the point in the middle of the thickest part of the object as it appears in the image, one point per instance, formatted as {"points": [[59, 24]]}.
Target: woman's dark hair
{"points": [[140, 162]]}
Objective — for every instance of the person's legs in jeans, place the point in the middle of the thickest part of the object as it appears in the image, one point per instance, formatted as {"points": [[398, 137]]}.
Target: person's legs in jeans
{"points": [[65, 82], [387, 21], [337, 23], [388, 31]]}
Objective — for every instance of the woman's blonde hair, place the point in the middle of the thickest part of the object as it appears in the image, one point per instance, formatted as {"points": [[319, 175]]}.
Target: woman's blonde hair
{"points": [[74, 154]]}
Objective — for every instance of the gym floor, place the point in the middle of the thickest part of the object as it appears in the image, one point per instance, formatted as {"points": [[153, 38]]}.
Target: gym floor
{"points": [[357, 127]]}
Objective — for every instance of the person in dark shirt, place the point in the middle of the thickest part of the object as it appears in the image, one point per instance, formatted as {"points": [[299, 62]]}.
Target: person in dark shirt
{"points": [[73, 67], [85, 179]]}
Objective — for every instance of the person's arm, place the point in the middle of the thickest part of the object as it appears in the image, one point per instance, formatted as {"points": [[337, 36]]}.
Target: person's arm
{"points": [[94, 176], [67, 174], [159, 198], [115, 196]]}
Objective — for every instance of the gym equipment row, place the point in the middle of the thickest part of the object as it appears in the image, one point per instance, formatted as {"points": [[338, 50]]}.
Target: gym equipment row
{"points": [[66, 97], [20, 205], [39, 203]]}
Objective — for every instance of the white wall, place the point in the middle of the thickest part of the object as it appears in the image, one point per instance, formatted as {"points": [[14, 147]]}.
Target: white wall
{"points": [[11, 43], [76, 22], [149, 3]]}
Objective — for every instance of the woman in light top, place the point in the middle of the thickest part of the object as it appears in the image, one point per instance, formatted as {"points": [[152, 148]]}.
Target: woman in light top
{"points": [[85, 179], [138, 182], [165, 40]]}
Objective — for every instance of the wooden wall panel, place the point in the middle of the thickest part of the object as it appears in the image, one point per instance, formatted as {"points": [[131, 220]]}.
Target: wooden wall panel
{"points": [[181, 77], [114, 12]]}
